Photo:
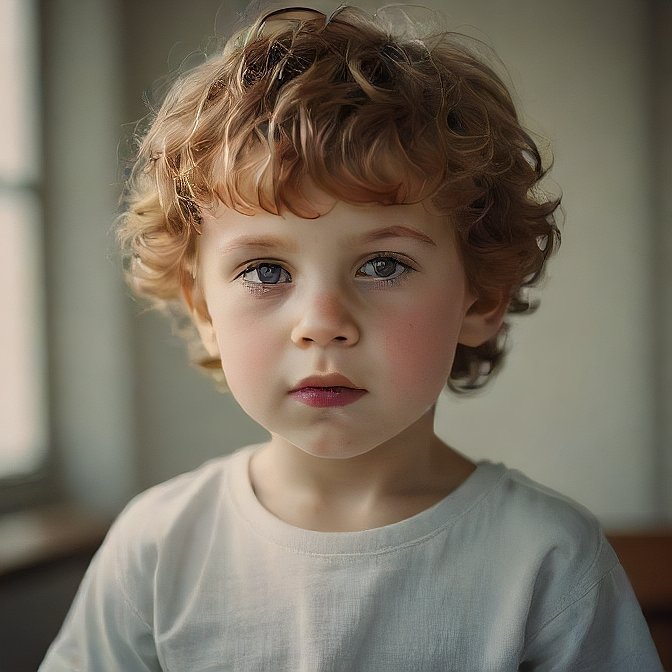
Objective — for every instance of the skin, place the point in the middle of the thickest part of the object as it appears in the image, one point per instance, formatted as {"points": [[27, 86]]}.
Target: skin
{"points": [[325, 308]]}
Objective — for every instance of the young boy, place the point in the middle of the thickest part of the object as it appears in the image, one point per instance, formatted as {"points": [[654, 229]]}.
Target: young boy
{"points": [[347, 217]]}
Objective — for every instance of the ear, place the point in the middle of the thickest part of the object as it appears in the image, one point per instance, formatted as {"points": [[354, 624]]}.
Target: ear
{"points": [[194, 299], [483, 319]]}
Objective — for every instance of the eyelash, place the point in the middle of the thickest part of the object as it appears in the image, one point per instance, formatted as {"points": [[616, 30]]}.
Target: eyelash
{"points": [[260, 285], [378, 283]]}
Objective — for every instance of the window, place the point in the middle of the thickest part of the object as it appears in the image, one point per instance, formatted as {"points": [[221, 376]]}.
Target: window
{"points": [[23, 415]]}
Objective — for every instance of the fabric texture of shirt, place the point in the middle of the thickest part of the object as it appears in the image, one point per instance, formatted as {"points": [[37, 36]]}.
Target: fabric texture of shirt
{"points": [[501, 575]]}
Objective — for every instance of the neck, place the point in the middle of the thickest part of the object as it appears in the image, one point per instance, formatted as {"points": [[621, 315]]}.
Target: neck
{"points": [[396, 479]]}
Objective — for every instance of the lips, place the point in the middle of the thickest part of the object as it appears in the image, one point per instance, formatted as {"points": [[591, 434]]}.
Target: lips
{"points": [[328, 380], [324, 391]]}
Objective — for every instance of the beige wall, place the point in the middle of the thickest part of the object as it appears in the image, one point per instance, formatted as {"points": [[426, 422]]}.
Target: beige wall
{"points": [[575, 406], [661, 196], [580, 403]]}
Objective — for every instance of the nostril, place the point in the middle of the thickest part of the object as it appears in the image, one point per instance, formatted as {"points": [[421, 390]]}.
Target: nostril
{"points": [[321, 329]]}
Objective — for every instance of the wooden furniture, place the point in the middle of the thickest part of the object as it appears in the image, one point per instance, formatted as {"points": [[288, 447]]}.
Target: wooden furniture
{"points": [[647, 559]]}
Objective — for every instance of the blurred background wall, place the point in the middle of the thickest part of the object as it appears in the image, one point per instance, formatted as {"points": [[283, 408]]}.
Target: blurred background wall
{"points": [[583, 402]]}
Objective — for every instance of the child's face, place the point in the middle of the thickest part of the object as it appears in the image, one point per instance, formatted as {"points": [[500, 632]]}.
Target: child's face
{"points": [[374, 293]]}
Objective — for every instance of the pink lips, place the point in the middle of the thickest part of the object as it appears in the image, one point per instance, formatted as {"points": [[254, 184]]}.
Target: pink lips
{"points": [[325, 391]]}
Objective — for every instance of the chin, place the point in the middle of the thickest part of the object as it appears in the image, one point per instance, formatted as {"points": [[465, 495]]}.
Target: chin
{"points": [[336, 453], [335, 447]]}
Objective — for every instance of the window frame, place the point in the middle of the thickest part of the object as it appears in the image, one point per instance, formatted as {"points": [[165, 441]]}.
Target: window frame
{"points": [[39, 486], [91, 457]]}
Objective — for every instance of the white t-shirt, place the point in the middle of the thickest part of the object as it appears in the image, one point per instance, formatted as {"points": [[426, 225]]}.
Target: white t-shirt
{"points": [[501, 575]]}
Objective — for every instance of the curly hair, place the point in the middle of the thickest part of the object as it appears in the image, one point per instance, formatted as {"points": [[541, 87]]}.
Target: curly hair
{"points": [[368, 117]]}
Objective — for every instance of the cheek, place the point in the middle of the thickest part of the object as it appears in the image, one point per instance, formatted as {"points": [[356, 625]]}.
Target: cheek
{"points": [[247, 353], [420, 346]]}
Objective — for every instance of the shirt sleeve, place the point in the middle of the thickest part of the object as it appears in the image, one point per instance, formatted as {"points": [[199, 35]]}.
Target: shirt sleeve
{"points": [[105, 629], [601, 629]]}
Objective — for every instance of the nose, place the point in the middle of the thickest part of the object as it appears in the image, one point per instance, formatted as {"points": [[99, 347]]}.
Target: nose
{"points": [[325, 320]]}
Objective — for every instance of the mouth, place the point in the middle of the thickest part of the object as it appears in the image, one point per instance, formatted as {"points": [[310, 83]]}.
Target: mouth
{"points": [[331, 381], [332, 389]]}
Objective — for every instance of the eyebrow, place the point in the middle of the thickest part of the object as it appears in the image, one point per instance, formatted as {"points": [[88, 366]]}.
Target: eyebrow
{"points": [[397, 231], [275, 243], [263, 242]]}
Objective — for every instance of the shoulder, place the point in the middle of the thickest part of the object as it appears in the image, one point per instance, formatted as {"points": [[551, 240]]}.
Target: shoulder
{"points": [[536, 514], [170, 515], [557, 543], [581, 612], [152, 542], [178, 493], [161, 506], [546, 534]]}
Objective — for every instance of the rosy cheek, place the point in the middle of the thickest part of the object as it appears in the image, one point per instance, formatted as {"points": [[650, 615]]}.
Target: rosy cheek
{"points": [[420, 347]]}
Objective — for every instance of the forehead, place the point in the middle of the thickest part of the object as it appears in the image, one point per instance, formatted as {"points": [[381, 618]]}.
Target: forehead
{"points": [[338, 224]]}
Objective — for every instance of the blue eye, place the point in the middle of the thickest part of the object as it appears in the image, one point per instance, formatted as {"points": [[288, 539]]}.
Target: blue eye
{"points": [[383, 268], [266, 274]]}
